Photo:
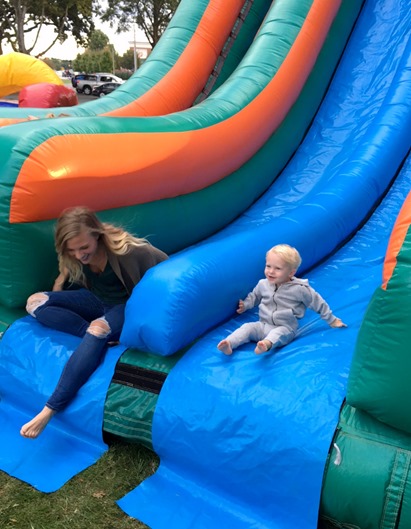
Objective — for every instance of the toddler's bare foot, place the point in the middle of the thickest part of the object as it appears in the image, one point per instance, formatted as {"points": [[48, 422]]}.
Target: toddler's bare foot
{"points": [[33, 428], [263, 346], [225, 347]]}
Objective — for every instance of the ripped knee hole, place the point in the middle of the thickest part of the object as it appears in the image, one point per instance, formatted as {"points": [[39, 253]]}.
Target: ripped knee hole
{"points": [[35, 301], [99, 328]]}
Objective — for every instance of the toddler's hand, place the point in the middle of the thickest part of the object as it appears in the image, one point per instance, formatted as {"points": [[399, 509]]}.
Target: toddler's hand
{"points": [[337, 323], [241, 308]]}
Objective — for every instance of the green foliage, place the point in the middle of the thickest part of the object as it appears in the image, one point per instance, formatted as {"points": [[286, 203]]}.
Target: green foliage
{"points": [[98, 40], [29, 18], [127, 60], [90, 61], [152, 16], [51, 64], [86, 501], [6, 14], [100, 56], [124, 74]]}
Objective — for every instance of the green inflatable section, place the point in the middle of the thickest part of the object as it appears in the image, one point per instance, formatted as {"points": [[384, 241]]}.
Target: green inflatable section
{"points": [[133, 394], [241, 38], [379, 380], [367, 482], [372, 488]]}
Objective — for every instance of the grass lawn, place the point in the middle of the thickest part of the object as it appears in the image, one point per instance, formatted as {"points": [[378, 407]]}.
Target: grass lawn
{"points": [[88, 501]]}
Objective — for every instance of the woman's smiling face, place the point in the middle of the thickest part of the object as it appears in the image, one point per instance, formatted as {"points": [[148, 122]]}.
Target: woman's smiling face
{"points": [[83, 247]]}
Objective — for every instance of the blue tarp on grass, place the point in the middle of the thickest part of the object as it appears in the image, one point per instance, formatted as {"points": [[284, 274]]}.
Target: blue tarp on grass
{"points": [[31, 360]]}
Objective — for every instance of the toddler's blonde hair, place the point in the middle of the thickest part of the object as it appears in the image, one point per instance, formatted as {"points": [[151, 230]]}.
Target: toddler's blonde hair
{"points": [[288, 254]]}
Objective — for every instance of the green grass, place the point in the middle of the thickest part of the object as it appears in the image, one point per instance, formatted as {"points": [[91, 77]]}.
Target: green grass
{"points": [[88, 501]]}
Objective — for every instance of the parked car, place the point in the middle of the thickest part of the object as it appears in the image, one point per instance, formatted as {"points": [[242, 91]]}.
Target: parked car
{"points": [[104, 89], [84, 82], [77, 77]]}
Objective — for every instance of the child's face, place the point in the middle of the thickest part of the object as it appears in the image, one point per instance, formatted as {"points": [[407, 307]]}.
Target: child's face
{"points": [[276, 270]]}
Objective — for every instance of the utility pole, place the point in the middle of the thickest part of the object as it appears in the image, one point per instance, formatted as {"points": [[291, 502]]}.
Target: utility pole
{"points": [[134, 46]]}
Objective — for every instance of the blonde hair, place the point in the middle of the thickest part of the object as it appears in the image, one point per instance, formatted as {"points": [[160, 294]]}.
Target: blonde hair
{"points": [[75, 221], [288, 254]]}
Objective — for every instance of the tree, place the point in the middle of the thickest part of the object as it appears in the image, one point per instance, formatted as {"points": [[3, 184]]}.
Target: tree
{"points": [[93, 61], [127, 60], [23, 20], [152, 16], [100, 55], [6, 12], [98, 40]]}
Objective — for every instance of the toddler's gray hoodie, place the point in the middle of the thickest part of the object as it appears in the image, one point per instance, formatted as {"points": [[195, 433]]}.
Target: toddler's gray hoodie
{"points": [[286, 304]]}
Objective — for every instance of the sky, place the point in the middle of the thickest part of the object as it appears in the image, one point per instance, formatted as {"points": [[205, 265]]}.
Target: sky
{"points": [[69, 49]]}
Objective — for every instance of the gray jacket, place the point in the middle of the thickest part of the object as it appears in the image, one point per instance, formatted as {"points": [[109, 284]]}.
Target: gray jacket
{"points": [[286, 304], [131, 267]]}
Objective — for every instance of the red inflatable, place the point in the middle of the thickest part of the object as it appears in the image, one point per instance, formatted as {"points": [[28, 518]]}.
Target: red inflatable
{"points": [[47, 95]]}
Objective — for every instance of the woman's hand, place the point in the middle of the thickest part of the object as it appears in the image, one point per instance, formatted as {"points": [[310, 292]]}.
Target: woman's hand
{"points": [[60, 280]]}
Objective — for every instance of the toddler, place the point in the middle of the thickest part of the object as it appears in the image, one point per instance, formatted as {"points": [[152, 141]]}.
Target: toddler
{"points": [[282, 300]]}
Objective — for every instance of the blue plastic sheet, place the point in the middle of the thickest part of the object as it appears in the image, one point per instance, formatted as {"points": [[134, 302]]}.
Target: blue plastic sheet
{"points": [[11, 104], [31, 360], [243, 439]]}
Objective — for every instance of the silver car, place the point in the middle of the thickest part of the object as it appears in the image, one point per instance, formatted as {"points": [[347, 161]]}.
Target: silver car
{"points": [[86, 82]]}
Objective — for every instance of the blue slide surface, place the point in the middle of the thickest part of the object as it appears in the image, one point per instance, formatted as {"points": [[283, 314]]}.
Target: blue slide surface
{"points": [[243, 440]]}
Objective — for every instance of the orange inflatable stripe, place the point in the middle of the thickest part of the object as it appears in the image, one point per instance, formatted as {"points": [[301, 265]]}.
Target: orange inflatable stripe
{"points": [[152, 166], [178, 89], [396, 241]]}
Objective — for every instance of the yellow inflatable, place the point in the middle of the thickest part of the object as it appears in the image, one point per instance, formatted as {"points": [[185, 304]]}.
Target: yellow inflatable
{"points": [[18, 70]]}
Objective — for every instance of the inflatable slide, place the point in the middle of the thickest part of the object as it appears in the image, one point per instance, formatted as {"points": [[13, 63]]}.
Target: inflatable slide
{"points": [[187, 162], [200, 48], [278, 417], [241, 440]]}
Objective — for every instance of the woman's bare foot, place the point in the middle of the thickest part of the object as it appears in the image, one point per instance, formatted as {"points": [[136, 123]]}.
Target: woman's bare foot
{"points": [[225, 347], [33, 428], [263, 346]]}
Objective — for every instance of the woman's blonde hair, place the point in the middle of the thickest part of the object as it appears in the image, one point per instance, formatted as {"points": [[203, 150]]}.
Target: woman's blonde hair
{"points": [[75, 221], [288, 254]]}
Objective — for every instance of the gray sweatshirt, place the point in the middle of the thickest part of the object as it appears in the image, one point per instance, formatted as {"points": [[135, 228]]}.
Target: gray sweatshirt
{"points": [[286, 304]]}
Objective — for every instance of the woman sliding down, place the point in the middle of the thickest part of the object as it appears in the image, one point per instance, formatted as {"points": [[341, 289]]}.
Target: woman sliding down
{"points": [[106, 262]]}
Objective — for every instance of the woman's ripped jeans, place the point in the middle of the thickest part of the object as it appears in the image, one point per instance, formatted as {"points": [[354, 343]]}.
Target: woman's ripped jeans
{"points": [[81, 313]]}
